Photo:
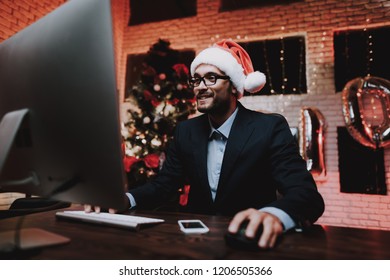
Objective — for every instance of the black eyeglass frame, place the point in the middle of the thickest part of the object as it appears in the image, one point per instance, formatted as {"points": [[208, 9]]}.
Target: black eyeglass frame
{"points": [[196, 81]]}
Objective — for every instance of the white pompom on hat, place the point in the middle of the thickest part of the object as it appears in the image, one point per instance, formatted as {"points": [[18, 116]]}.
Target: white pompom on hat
{"points": [[235, 62]]}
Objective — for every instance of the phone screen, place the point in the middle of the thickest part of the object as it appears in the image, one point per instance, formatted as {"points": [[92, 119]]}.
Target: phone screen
{"points": [[192, 225]]}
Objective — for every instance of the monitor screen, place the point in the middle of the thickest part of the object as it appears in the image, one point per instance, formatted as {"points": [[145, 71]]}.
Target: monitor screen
{"points": [[58, 77]]}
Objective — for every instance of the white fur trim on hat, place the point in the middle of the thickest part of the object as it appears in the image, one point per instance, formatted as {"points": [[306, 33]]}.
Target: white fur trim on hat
{"points": [[254, 82], [225, 61]]}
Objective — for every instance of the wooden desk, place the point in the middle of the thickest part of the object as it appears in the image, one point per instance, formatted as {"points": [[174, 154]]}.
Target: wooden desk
{"points": [[166, 241]]}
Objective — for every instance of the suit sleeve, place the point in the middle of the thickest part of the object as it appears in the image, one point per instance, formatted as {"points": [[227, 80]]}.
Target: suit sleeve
{"points": [[299, 194], [166, 183]]}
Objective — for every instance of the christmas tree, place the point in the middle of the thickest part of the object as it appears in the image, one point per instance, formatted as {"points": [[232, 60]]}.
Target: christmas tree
{"points": [[156, 103]]}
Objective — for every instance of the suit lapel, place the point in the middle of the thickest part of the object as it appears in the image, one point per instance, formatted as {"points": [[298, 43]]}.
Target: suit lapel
{"points": [[239, 135], [200, 142]]}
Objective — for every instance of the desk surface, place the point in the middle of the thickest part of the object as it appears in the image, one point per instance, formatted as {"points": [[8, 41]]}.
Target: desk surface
{"points": [[166, 241]]}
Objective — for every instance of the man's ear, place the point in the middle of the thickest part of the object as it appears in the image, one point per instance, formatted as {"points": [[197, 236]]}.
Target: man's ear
{"points": [[234, 91]]}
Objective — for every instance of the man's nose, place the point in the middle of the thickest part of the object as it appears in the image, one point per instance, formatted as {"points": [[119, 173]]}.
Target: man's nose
{"points": [[202, 84]]}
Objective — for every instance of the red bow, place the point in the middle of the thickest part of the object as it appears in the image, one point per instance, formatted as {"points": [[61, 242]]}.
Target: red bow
{"points": [[151, 161]]}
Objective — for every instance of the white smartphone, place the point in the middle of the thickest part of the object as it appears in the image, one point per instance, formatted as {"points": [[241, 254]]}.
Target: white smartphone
{"points": [[192, 226]]}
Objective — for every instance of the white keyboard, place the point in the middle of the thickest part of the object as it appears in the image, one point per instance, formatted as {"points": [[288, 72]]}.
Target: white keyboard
{"points": [[118, 220]]}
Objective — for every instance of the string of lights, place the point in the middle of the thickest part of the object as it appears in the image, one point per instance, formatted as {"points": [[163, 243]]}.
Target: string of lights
{"points": [[297, 80], [369, 50], [346, 50], [282, 63], [301, 63], [267, 67]]}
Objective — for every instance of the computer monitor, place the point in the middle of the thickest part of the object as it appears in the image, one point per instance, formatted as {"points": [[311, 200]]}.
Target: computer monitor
{"points": [[58, 96]]}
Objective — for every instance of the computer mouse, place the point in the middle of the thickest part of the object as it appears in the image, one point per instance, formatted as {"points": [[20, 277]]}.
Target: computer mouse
{"points": [[238, 240]]}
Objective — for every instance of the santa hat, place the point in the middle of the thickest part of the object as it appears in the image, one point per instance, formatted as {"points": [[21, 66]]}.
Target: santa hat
{"points": [[235, 62]]}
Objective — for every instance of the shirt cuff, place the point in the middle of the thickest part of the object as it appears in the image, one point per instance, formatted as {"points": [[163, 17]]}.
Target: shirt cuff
{"points": [[287, 221], [132, 200]]}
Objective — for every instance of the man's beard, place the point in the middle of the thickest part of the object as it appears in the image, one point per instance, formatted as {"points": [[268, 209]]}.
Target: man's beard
{"points": [[217, 106]]}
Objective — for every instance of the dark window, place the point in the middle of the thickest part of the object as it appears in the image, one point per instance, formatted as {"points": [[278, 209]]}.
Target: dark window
{"points": [[133, 70], [230, 5], [144, 11], [353, 51], [135, 64], [361, 168], [283, 63]]}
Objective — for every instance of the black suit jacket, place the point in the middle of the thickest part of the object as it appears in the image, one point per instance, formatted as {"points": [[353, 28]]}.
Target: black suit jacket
{"points": [[261, 158]]}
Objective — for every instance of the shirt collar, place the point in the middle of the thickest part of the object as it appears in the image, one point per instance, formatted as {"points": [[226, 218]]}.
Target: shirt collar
{"points": [[225, 128]]}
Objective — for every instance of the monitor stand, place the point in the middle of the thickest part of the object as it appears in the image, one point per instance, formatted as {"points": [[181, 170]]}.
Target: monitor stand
{"points": [[9, 127], [28, 239], [20, 239]]}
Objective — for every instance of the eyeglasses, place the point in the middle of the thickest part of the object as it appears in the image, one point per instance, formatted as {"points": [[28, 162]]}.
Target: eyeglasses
{"points": [[208, 80]]}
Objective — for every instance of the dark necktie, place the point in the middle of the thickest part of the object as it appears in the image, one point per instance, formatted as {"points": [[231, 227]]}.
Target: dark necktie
{"points": [[216, 135]]}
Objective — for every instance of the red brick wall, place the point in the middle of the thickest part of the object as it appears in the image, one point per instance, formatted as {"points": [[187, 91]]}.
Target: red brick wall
{"points": [[314, 19], [120, 18], [17, 14]]}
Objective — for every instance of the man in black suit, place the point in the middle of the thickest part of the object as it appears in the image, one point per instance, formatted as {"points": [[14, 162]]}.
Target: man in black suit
{"points": [[237, 161]]}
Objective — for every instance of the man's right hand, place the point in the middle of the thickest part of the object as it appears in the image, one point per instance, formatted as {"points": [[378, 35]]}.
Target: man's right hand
{"points": [[272, 226], [89, 208], [97, 209]]}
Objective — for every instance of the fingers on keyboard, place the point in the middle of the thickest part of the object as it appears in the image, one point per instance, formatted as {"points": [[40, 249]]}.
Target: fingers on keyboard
{"points": [[89, 208]]}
